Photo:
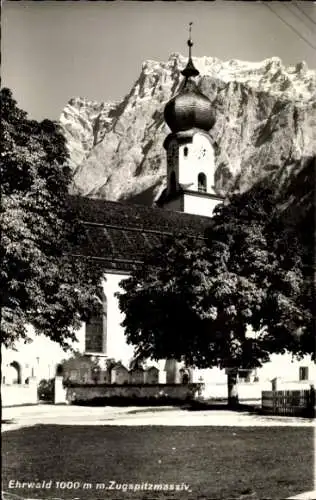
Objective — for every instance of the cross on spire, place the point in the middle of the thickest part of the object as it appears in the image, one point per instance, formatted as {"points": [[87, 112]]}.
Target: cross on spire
{"points": [[190, 70], [190, 43]]}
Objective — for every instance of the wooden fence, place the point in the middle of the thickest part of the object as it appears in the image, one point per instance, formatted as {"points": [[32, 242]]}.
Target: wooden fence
{"points": [[295, 402]]}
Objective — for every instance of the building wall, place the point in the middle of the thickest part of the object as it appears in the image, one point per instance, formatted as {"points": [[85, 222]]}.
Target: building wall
{"points": [[188, 159], [287, 369], [22, 394], [200, 159], [35, 359], [117, 347], [199, 205], [280, 365]]}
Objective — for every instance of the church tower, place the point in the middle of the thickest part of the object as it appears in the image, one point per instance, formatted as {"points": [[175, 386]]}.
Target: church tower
{"points": [[189, 148]]}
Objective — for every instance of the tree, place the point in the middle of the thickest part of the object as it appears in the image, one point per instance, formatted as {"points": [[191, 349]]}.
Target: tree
{"points": [[229, 300], [41, 284]]}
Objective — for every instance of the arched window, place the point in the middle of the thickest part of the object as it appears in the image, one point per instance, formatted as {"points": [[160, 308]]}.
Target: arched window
{"points": [[15, 372], [202, 182], [173, 182], [96, 327], [185, 151], [59, 370]]}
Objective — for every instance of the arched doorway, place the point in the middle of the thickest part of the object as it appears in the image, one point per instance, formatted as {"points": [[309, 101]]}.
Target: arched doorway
{"points": [[15, 373], [202, 183]]}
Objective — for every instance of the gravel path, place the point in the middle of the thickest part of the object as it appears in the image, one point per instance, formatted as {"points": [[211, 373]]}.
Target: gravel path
{"points": [[25, 416]]}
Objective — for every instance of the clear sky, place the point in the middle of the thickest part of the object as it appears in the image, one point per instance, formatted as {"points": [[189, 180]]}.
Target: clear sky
{"points": [[55, 50]]}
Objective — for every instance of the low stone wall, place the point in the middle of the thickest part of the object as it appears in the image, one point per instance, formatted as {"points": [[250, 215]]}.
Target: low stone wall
{"points": [[131, 393], [18, 394]]}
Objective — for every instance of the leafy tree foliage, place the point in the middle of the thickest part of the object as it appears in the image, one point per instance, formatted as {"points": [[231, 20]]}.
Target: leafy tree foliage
{"points": [[228, 300], [41, 284]]}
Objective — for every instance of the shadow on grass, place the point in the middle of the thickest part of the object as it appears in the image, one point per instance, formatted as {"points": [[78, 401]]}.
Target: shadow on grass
{"points": [[152, 403], [125, 402], [308, 413], [156, 404], [221, 406]]}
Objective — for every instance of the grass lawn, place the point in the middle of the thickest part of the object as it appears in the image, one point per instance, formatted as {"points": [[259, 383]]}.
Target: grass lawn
{"points": [[216, 462]]}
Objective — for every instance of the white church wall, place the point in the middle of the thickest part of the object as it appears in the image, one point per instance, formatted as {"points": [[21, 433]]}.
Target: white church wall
{"points": [[117, 346], [200, 158], [187, 161], [199, 205]]}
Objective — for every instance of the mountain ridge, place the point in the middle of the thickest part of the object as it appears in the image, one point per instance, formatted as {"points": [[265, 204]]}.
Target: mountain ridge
{"points": [[265, 126]]}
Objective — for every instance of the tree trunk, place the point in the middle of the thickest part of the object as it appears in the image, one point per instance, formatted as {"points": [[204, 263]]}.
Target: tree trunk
{"points": [[232, 388]]}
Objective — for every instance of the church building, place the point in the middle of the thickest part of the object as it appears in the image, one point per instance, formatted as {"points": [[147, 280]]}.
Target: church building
{"points": [[119, 237]]}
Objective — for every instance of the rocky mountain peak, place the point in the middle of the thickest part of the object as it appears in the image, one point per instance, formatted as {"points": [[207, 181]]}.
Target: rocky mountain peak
{"points": [[265, 126]]}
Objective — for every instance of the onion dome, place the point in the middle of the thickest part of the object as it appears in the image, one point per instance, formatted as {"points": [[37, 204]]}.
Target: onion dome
{"points": [[190, 108]]}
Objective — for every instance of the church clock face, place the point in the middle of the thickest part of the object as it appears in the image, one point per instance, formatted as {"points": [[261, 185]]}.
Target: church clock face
{"points": [[202, 153]]}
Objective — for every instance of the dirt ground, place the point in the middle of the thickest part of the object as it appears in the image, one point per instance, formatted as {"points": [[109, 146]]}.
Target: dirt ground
{"points": [[25, 416]]}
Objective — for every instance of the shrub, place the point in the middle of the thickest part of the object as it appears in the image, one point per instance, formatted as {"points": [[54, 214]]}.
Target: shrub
{"points": [[46, 390]]}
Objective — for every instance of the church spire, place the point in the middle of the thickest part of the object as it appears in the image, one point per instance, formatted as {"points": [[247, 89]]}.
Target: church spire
{"points": [[189, 109], [190, 70]]}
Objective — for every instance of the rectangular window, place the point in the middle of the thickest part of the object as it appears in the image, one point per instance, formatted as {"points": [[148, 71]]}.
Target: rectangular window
{"points": [[96, 327], [244, 375], [94, 334], [303, 373]]}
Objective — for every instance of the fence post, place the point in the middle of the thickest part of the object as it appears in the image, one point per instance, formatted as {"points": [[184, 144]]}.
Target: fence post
{"points": [[274, 383], [312, 400]]}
